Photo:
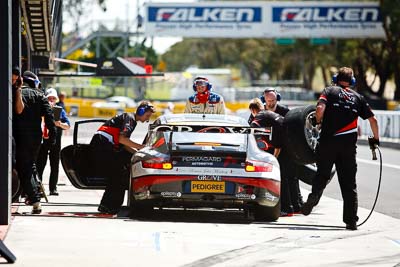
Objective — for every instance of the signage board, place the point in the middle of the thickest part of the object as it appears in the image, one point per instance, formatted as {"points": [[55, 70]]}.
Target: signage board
{"points": [[277, 19]]}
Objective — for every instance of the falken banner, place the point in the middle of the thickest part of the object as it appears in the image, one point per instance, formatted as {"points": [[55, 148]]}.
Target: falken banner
{"points": [[264, 19]]}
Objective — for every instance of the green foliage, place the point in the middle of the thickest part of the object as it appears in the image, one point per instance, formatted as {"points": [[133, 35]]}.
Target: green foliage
{"points": [[257, 56], [140, 50]]}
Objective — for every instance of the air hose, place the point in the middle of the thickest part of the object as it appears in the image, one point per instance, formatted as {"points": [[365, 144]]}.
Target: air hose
{"points": [[379, 181]]}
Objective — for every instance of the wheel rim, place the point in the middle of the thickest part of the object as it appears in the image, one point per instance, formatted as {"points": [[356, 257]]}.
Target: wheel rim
{"points": [[311, 132]]}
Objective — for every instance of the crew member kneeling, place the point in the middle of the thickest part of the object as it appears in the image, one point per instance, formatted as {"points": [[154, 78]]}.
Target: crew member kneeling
{"points": [[112, 150]]}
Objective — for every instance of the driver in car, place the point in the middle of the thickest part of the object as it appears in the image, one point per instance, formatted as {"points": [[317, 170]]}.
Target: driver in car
{"points": [[111, 153], [204, 101]]}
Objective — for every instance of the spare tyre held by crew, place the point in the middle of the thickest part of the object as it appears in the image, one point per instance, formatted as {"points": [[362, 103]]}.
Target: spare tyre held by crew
{"points": [[111, 153]]}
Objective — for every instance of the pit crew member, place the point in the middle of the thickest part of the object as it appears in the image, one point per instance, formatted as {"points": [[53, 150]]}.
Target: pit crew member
{"points": [[338, 109], [111, 153]]}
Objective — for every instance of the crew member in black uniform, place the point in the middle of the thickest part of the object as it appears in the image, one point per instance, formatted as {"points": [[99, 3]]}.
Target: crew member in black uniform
{"points": [[266, 118], [271, 100], [338, 109], [112, 150], [28, 136]]}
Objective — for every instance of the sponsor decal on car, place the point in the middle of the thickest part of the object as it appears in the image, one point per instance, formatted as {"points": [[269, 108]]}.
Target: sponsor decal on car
{"points": [[202, 159], [202, 163], [223, 129], [207, 187], [245, 196], [171, 194], [209, 177], [269, 196], [211, 171]]}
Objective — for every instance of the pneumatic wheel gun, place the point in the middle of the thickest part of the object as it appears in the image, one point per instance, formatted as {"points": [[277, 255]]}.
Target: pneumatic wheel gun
{"points": [[373, 144]]}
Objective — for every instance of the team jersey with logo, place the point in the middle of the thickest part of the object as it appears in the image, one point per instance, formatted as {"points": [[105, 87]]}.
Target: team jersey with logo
{"points": [[214, 105], [266, 118], [343, 107], [120, 124]]}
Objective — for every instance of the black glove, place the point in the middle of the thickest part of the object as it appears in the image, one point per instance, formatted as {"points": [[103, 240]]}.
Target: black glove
{"points": [[373, 142]]}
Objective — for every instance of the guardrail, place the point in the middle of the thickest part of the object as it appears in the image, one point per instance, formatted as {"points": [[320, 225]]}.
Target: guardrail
{"points": [[389, 124], [389, 121]]}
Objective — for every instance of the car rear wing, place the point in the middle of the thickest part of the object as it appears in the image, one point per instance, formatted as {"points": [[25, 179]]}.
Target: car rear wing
{"points": [[212, 129]]}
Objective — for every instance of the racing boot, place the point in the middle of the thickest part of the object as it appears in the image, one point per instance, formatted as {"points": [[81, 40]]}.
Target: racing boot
{"points": [[351, 226], [37, 208], [310, 203]]}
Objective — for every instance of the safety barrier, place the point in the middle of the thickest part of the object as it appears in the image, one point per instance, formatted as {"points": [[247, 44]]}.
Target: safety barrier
{"points": [[389, 124], [389, 121]]}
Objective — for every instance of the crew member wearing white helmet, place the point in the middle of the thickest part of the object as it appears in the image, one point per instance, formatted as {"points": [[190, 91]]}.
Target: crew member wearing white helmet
{"points": [[62, 123]]}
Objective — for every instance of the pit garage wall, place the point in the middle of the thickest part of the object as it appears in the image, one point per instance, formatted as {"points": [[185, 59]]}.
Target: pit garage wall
{"points": [[5, 112]]}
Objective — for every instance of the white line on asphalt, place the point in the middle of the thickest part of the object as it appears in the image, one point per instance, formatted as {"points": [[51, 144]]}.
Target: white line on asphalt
{"points": [[377, 163]]}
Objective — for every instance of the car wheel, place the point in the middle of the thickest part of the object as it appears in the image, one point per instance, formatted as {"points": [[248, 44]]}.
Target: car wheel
{"points": [[302, 136], [139, 209], [306, 173], [268, 214]]}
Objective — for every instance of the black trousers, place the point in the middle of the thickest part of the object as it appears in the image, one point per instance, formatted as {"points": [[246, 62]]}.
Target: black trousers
{"points": [[26, 152], [53, 151], [340, 151], [291, 199], [114, 166]]}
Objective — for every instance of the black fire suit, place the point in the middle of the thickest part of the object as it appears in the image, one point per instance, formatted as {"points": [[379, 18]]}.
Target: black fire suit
{"points": [[337, 145], [28, 136], [112, 160], [289, 172], [291, 192], [266, 118]]}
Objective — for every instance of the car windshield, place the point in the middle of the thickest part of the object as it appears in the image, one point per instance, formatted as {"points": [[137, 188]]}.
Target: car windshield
{"points": [[208, 141], [198, 141]]}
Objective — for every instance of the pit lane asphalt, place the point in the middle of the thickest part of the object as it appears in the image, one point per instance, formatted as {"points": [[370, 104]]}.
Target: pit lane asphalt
{"points": [[69, 233]]}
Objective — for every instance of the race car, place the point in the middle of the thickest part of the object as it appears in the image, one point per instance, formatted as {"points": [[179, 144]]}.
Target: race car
{"points": [[195, 160], [190, 160]]}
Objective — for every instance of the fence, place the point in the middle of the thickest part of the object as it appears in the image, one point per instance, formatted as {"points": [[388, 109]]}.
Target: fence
{"points": [[389, 124]]}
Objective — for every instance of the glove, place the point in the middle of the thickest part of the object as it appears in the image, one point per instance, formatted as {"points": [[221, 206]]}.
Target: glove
{"points": [[373, 142]]}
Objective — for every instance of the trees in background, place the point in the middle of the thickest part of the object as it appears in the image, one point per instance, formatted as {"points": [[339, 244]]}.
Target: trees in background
{"points": [[298, 61], [301, 59]]}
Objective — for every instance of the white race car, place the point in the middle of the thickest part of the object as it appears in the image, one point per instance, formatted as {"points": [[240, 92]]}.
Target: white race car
{"points": [[195, 160]]}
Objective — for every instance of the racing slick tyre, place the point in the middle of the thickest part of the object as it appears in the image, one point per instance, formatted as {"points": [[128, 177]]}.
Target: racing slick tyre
{"points": [[267, 214], [302, 136], [139, 209], [306, 173]]}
